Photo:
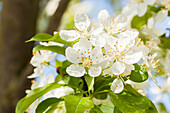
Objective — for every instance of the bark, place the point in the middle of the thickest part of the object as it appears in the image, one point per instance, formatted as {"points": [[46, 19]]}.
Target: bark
{"points": [[56, 18], [18, 24]]}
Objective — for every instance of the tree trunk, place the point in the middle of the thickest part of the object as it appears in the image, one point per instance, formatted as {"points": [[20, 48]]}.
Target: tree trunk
{"points": [[18, 24], [56, 18]]}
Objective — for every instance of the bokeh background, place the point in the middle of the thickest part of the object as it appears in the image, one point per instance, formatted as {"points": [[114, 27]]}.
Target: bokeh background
{"points": [[22, 19]]}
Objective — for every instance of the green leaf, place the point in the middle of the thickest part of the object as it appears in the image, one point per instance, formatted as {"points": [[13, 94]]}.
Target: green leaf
{"points": [[96, 109], [165, 42], [102, 84], [137, 22], [25, 102], [130, 101], [75, 82], [116, 110], [107, 107], [90, 82], [47, 104], [47, 37], [76, 104], [103, 108], [56, 49], [58, 39], [140, 74], [41, 37], [161, 108]]}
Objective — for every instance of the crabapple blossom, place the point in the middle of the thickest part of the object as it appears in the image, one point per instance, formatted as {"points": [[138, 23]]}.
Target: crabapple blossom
{"points": [[124, 52], [111, 25], [83, 30], [83, 55]]}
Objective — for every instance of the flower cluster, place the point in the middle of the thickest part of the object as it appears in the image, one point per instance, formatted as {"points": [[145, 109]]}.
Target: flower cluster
{"points": [[105, 48]]}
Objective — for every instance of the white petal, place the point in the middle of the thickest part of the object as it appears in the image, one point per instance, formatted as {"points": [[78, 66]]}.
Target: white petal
{"points": [[108, 71], [120, 19], [72, 55], [131, 34], [104, 17], [84, 46], [123, 43], [110, 41], [138, 85], [98, 40], [62, 91], [161, 15], [96, 29], [142, 8], [36, 60], [150, 2], [95, 71], [103, 64], [37, 72], [34, 85], [129, 9], [75, 70], [133, 56], [82, 21], [50, 79], [117, 86], [96, 55], [144, 49], [118, 68], [150, 23], [69, 35], [48, 56], [129, 68], [125, 39]]}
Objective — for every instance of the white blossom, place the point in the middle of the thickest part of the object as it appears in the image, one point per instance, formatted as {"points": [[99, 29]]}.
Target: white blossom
{"points": [[82, 55], [124, 52], [111, 25], [83, 30], [142, 5]]}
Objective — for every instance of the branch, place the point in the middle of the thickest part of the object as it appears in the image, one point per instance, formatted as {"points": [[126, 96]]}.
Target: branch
{"points": [[56, 18]]}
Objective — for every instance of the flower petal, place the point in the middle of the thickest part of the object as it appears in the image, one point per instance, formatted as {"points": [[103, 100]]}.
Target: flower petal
{"points": [[117, 86], [96, 55], [83, 46], [132, 56], [96, 29], [95, 71], [120, 19], [36, 60], [104, 18], [118, 68], [127, 38], [108, 71], [138, 85], [82, 21], [142, 8], [150, 23], [75, 70], [103, 63], [69, 35], [72, 55], [129, 68], [37, 72], [161, 15], [98, 40], [150, 2]]}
